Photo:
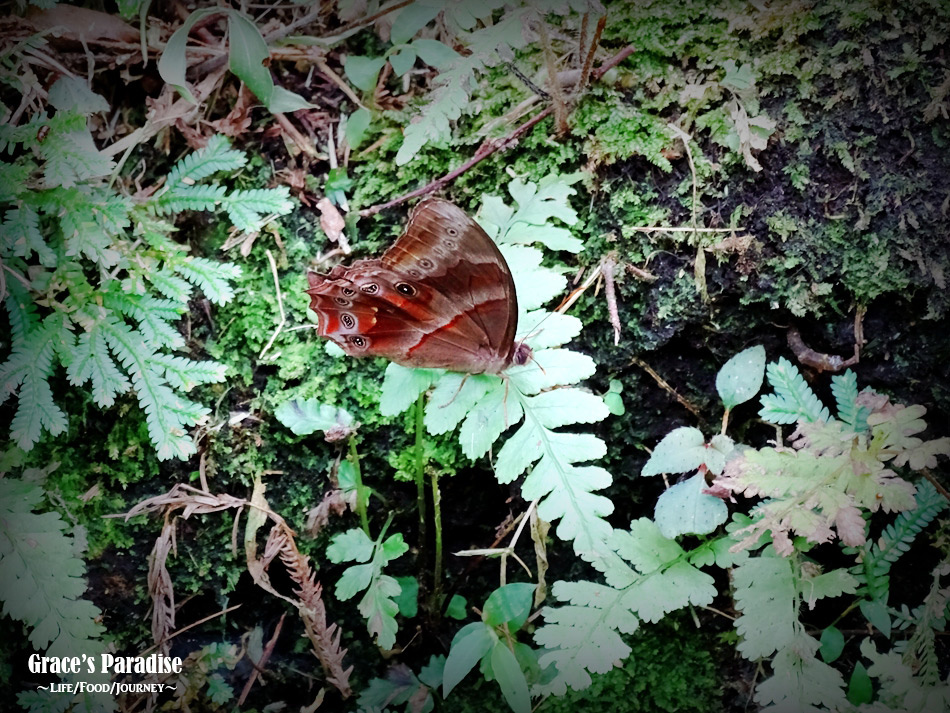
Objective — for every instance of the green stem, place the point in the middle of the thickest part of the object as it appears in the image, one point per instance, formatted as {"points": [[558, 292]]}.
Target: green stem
{"points": [[362, 494], [437, 522], [420, 473]]}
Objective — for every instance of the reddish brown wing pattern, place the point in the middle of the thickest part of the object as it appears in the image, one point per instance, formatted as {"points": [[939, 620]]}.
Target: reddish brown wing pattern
{"points": [[441, 297]]}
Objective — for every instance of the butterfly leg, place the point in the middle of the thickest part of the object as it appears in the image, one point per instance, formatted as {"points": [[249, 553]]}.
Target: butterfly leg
{"points": [[457, 391]]}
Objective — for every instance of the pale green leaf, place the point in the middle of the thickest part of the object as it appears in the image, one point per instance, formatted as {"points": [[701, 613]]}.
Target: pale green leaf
{"points": [[411, 19], [684, 509], [740, 378], [681, 450], [305, 416], [470, 644], [363, 71], [356, 125], [509, 604], [402, 386], [510, 678]]}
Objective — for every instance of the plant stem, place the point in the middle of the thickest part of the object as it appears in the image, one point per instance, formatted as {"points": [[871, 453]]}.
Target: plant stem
{"points": [[420, 473], [437, 523], [361, 492]]}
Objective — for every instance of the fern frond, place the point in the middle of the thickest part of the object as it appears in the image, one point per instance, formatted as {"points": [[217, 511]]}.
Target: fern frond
{"points": [[873, 571], [85, 236], [216, 156], [377, 606], [324, 637], [801, 682], [793, 398], [211, 277], [22, 314]]}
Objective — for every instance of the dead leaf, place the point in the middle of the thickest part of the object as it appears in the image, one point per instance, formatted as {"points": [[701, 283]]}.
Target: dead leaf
{"points": [[332, 222], [238, 120], [81, 24]]}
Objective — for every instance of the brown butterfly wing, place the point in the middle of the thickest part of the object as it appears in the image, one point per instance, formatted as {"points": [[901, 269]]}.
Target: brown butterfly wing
{"points": [[441, 297]]}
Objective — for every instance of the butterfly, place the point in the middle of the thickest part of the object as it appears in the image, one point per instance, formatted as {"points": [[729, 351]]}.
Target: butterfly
{"points": [[441, 297]]}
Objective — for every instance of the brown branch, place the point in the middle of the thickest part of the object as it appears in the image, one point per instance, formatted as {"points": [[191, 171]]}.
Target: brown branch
{"points": [[662, 383], [610, 293], [262, 662], [492, 146], [589, 61]]}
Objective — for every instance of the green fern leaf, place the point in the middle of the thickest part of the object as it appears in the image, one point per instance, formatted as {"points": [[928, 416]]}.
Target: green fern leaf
{"points": [[211, 277], [793, 398], [216, 156], [14, 178], [802, 683], [185, 374], [21, 312], [445, 104], [844, 387], [531, 222], [71, 154], [85, 236]]}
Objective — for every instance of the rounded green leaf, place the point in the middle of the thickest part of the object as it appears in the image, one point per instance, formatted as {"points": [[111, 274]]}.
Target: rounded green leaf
{"points": [[681, 450], [247, 58], [875, 611], [457, 608], [509, 604], [685, 509], [832, 644], [741, 377], [408, 598], [172, 64]]}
